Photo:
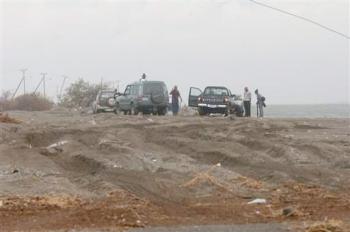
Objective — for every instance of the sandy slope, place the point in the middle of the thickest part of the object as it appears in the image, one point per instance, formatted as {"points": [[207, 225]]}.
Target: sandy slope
{"points": [[119, 171]]}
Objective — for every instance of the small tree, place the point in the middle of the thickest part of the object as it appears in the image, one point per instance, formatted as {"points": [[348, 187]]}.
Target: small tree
{"points": [[80, 94], [5, 96]]}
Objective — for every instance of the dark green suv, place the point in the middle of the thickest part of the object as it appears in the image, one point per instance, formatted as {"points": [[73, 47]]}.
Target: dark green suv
{"points": [[143, 96]]}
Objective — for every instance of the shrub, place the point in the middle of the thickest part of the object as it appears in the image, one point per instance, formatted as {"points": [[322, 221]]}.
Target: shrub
{"points": [[80, 94], [27, 102]]}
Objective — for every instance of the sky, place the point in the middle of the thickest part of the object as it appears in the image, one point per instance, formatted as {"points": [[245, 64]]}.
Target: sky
{"points": [[233, 43]]}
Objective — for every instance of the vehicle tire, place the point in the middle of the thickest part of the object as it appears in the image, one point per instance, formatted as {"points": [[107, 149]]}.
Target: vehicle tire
{"points": [[133, 110], [111, 102], [239, 114], [117, 109], [227, 113], [238, 111], [201, 111], [162, 110], [157, 98]]}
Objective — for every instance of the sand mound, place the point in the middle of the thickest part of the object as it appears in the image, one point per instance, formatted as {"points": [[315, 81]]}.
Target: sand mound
{"points": [[134, 171]]}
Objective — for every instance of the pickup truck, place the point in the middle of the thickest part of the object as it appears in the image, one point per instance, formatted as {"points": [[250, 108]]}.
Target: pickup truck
{"points": [[214, 100]]}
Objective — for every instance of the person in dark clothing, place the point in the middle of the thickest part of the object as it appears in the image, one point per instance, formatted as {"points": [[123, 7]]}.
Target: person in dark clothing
{"points": [[260, 103], [175, 95], [247, 102]]}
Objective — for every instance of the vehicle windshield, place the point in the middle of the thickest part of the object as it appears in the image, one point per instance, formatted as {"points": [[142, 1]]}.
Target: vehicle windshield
{"points": [[107, 94], [149, 88], [216, 91]]}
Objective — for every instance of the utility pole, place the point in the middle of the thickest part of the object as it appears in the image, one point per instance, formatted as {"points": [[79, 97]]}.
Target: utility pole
{"points": [[36, 89], [62, 86], [23, 80], [44, 82], [23, 70], [101, 83]]}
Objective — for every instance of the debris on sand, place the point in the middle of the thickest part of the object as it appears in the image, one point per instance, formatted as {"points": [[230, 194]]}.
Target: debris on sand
{"points": [[54, 148], [6, 119], [249, 182], [291, 212], [206, 177], [257, 201], [60, 143], [328, 226]]}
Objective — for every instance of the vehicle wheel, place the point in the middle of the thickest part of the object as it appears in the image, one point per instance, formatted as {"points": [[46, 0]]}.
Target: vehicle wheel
{"points": [[201, 111], [133, 110], [157, 98], [162, 110], [239, 114], [111, 102], [238, 111], [117, 111], [227, 112]]}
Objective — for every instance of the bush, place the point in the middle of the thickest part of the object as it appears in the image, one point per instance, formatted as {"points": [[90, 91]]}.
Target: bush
{"points": [[27, 102], [80, 94]]}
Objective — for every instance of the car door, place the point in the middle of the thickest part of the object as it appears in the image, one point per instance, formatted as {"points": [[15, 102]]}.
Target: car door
{"points": [[124, 100], [193, 96]]}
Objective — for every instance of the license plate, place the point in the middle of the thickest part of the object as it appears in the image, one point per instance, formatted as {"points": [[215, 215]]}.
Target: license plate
{"points": [[212, 106]]}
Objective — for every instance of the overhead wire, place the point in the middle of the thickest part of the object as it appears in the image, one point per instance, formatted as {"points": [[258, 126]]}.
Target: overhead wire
{"points": [[301, 17]]}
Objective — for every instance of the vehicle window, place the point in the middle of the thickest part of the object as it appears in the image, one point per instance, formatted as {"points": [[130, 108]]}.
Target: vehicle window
{"points": [[134, 90], [149, 88], [107, 94], [127, 90], [195, 92], [216, 91]]}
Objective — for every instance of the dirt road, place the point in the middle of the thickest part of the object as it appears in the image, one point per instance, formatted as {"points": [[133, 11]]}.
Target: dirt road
{"points": [[64, 170]]}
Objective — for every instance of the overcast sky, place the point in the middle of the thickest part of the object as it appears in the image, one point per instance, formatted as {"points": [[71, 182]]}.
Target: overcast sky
{"points": [[185, 42]]}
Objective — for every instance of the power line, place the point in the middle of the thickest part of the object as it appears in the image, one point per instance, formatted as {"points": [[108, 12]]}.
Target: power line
{"points": [[302, 18]]}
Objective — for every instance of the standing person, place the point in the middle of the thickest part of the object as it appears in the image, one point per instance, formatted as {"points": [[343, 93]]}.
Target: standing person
{"points": [[260, 104], [175, 95], [247, 98]]}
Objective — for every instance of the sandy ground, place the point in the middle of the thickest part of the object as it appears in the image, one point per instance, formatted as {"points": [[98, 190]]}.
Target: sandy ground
{"points": [[109, 172]]}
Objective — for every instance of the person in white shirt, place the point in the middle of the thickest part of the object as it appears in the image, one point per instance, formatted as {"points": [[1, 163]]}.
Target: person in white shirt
{"points": [[247, 98]]}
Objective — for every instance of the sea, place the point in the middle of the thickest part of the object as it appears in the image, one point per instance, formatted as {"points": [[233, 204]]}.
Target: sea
{"points": [[306, 111]]}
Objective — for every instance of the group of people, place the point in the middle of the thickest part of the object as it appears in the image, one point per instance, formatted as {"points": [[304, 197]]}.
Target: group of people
{"points": [[260, 103], [247, 98]]}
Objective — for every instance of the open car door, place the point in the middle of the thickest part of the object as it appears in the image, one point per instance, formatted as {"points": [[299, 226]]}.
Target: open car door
{"points": [[193, 96]]}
